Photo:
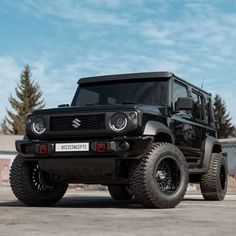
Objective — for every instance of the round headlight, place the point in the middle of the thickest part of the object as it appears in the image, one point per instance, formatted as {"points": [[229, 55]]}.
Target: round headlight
{"points": [[39, 125], [119, 121]]}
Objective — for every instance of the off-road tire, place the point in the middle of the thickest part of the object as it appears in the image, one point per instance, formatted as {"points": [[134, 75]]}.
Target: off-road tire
{"points": [[143, 179], [119, 192], [214, 183], [24, 189]]}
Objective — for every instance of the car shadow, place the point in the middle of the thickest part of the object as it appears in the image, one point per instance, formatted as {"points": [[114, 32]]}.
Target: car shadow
{"points": [[194, 199], [90, 202], [83, 202]]}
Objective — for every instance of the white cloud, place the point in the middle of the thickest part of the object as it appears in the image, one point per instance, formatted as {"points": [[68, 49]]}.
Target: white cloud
{"points": [[199, 39], [106, 3], [8, 69], [203, 31], [9, 72], [73, 11], [157, 35], [58, 85], [115, 4]]}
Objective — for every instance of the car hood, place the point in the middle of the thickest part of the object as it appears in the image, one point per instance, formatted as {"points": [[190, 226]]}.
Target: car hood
{"points": [[100, 108]]}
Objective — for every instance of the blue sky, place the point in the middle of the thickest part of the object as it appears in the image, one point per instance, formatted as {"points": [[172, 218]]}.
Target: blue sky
{"points": [[65, 40]]}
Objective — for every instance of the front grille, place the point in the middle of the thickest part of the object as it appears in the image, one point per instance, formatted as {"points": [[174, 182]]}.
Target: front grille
{"points": [[81, 122]]}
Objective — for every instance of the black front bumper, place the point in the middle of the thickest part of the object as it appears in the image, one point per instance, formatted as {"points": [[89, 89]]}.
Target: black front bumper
{"points": [[33, 149], [108, 167]]}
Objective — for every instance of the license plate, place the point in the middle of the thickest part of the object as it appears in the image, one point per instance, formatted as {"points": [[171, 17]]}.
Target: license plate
{"points": [[72, 147]]}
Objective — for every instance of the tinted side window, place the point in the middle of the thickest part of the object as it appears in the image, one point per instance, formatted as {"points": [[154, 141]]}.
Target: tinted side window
{"points": [[208, 111], [198, 107], [179, 90]]}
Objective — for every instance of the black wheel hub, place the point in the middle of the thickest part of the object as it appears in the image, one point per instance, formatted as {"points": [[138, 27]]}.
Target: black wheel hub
{"points": [[168, 175], [41, 181]]}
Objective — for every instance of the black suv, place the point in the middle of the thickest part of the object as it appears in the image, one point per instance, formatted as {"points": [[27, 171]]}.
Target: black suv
{"points": [[144, 135]]}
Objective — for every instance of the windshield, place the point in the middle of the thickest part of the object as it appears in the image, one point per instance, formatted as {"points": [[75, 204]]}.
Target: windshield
{"points": [[152, 92]]}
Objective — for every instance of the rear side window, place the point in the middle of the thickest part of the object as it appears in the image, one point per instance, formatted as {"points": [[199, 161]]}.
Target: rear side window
{"points": [[208, 111], [179, 90]]}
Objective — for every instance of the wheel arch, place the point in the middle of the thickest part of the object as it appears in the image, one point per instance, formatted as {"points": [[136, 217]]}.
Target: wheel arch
{"points": [[210, 145], [160, 132]]}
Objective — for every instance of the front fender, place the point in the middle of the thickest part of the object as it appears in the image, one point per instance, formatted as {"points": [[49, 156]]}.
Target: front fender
{"points": [[154, 128]]}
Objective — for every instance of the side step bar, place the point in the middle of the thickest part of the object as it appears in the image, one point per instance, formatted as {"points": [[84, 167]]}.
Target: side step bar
{"points": [[196, 171]]}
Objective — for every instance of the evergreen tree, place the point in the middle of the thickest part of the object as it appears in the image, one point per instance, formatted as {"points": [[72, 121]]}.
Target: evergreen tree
{"points": [[28, 98], [222, 117]]}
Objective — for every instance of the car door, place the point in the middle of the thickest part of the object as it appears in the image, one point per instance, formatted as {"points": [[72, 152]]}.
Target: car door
{"points": [[199, 118], [183, 125]]}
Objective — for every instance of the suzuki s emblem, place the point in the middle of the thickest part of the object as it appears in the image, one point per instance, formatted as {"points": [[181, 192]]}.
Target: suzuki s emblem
{"points": [[76, 123]]}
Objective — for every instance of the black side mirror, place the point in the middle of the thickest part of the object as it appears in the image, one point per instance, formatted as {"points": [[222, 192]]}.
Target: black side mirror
{"points": [[184, 103], [63, 105]]}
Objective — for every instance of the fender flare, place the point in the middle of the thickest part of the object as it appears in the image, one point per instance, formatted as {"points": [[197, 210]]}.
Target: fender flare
{"points": [[210, 145], [153, 128]]}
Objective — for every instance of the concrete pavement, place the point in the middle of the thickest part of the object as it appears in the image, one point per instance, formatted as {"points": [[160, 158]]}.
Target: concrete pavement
{"points": [[95, 213]]}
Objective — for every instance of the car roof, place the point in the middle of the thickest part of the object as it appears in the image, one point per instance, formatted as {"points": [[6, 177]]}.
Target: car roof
{"points": [[130, 76], [117, 77]]}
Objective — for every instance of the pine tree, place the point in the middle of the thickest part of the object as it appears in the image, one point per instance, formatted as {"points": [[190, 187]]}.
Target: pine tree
{"points": [[28, 98], [222, 117]]}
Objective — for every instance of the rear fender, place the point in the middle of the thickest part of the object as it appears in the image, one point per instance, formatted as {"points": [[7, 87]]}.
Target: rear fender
{"points": [[209, 146]]}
